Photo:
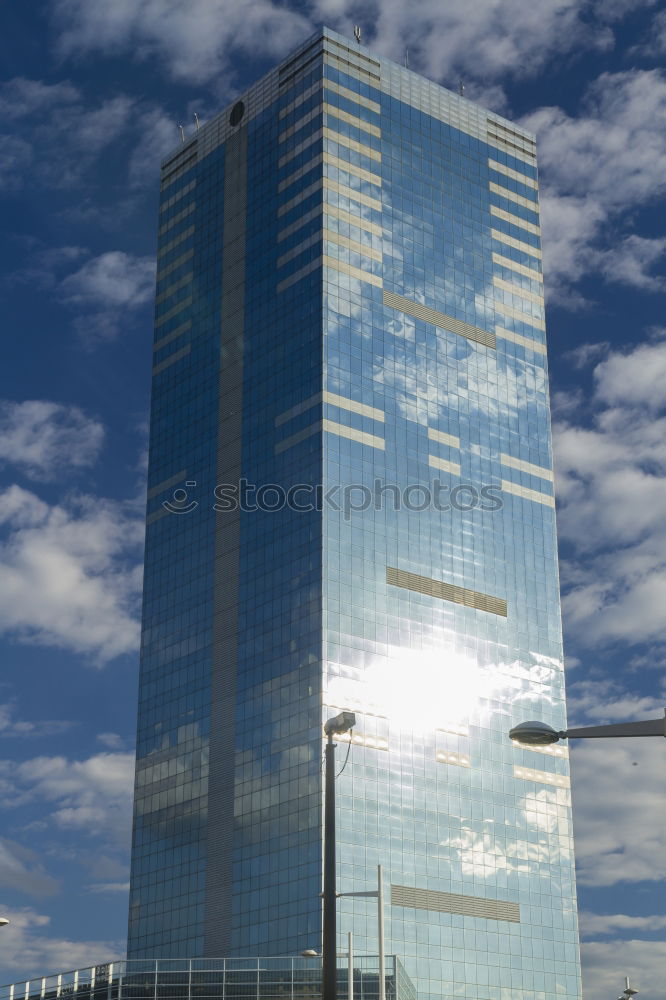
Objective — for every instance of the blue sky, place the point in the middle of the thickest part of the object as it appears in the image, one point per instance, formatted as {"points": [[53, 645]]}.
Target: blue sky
{"points": [[90, 98]]}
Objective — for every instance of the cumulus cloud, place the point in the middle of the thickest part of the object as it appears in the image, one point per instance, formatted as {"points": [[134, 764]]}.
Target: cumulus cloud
{"points": [[31, 949], [105, 290], [70, 573], [597, 924], [92, 795], [195, 40], [606, 963], [62, 134], [10, 726], [46, 439], [618, 841], [595, 167], [611, 483], [21, 869]]}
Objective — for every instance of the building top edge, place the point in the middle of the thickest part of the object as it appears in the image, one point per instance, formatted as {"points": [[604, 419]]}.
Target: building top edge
{"points": [[398, 74]]}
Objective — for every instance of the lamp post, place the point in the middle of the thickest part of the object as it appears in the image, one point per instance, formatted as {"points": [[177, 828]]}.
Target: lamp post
{"points": [[535, 734], [341, 723]]}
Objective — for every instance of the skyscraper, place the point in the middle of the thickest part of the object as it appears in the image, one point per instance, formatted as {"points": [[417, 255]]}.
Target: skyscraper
{"points": [[351, 507]]}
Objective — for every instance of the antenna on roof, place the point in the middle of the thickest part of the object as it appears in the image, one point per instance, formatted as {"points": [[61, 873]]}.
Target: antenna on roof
{"points": [[461, 89], [197, 123], [182, 133], [357, 33]]}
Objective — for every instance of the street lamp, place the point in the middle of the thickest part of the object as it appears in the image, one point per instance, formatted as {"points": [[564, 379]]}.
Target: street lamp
{"points": [[3, 921], [341, 723], [538, 734]]}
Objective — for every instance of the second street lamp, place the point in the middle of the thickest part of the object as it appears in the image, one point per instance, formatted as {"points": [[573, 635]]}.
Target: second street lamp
{"points": [[341, 723], [535, 734]]}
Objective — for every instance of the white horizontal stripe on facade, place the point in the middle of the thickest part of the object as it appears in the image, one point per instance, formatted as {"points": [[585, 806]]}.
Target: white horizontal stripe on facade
{"points": [[444, 322], [515, 175], [334, 399], [512, 196], [301, 99], [435, 462], [297, 275], [513, 265], [177, 218], [171, 360], [344, 116], [505, 310], [174, 312], [352, 220], [523, 293], [297, 409], [505, 146], [357, 147], [353, 406], [297, 149], [353, 272], [177, 197], [352, 194], [529, 467], [299, 248], [186, 233], [156, 515], [511, 241], [352, 69], [352, 245], [522, 491], [296, 438], [298, 198], [179, 477], [515, 220], [170, 268], [331, 427], [351, 95], [301, 172], [301, 123], [173, 335], [351, 434], [172, 289], [293, 227], [542, 777], [517, 338], [450, 439], [352, 168]]}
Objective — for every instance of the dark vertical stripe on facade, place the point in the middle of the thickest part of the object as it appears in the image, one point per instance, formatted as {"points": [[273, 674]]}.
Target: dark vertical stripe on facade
{"points": [[217, 928]]}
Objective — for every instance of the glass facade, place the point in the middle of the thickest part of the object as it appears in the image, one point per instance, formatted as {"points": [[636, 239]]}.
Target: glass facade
{"points": [[218, 978], [351, 507]]}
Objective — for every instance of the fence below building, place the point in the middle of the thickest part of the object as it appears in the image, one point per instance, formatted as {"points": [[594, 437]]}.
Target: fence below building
{"points": [[214, 979]]}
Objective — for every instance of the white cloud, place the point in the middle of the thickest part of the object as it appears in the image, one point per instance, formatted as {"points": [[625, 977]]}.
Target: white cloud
{"points": [[92, 795], [30, 949], [159, 134], [194, 40], [107, 288], [70, 573], [593, 924], [597, 166], [61, 134], [10, 726], [112, 741], [611, 484], [46, 439], [632, 261], [114, 279], [20, 869], [619, 838], [111, 887], [606, 963]]}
